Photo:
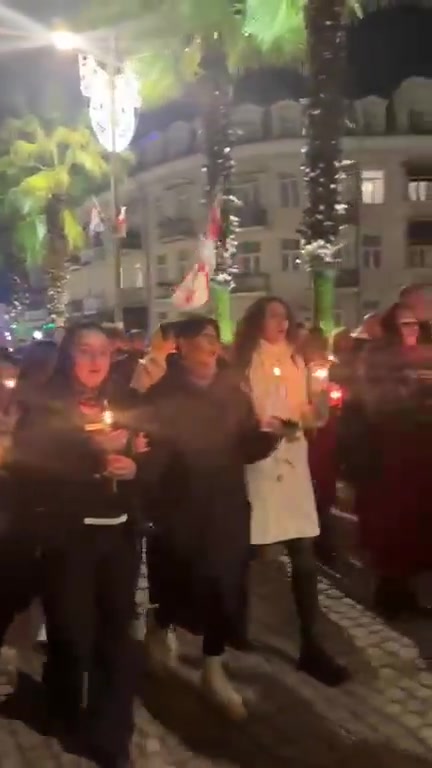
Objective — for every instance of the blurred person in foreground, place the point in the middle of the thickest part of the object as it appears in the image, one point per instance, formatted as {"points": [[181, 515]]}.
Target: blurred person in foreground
{"points": [[418, 300], [280, 486], [72, 474], [385, 453], [204, 433]]}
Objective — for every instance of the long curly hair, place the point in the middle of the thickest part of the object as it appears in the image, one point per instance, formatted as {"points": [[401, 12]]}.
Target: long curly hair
{"points": [[250, 328]]}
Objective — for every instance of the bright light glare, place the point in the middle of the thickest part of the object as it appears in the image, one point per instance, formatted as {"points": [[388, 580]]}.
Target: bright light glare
{"points": [[38, 335], [64, 40], [277, 371], [321, 373], [108, 418]]}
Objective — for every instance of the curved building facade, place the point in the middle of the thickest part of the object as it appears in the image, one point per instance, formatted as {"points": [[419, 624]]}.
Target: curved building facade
{"points": [[386, 243]]}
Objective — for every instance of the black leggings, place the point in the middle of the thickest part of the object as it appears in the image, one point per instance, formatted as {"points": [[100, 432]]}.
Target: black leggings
{"points": [[213, 643], [305, 587]]}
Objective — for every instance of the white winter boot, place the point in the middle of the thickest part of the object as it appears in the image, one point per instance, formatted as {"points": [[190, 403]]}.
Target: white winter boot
{"points": [[160, 647], [217, 686]]}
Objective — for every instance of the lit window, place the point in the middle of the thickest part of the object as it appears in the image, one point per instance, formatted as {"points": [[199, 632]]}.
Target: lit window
{"points": [[420, 190], [371, 251], [139, 276], [290, 255], [289, 191], [372, 187]]}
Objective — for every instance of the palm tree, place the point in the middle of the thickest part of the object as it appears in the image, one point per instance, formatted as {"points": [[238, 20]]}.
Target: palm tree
{"points": [[178, 44], [44, 174]]}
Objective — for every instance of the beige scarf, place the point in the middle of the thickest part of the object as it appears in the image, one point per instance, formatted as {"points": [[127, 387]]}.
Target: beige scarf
{"points": [[278, 382]]}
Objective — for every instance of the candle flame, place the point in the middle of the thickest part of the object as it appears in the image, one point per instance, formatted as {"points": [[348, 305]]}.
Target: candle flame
{"points": [[108, 418], [277, 371], [320, 373], [10, 383]]}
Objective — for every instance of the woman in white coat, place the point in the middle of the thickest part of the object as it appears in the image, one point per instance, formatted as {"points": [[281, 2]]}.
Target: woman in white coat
{"points": [[280, 487]]}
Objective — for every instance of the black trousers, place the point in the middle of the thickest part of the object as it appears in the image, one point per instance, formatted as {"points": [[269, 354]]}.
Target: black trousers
{"points": [[88, 597], [20, 577]]}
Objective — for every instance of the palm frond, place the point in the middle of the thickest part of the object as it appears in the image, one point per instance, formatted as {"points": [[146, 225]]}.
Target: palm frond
{"points": [[72, 230], [29, 236]]}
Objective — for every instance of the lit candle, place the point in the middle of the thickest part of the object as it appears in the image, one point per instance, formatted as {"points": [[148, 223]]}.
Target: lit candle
{"points": [[9, 383], [107, 418]]}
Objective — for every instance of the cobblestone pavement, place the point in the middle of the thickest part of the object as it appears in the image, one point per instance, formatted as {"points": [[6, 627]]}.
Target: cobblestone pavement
{"points": [[382, 719]]}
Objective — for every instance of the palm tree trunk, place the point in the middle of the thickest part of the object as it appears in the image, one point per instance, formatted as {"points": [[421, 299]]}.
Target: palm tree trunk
{"points": [[324, 127], [55, 261], [215, 116]]}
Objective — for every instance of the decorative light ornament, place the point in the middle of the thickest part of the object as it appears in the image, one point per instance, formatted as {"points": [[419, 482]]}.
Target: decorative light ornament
{"points": [[113, 103]]}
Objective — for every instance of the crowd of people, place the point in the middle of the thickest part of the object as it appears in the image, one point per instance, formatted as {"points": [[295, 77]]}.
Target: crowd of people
{"points": [[207, 454]]}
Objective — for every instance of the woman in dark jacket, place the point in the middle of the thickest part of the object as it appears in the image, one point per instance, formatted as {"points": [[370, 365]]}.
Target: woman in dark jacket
{"points": [[72, 473], [202, 432]]}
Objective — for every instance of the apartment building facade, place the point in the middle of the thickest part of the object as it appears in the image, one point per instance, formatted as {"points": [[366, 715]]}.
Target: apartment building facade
{"points": [[387, 242]]}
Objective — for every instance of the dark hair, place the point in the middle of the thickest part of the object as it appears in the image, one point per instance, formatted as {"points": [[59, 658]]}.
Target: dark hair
{"points": [[193, 326], [250, 328], [38, 362], [390, 325], [64, 365]]}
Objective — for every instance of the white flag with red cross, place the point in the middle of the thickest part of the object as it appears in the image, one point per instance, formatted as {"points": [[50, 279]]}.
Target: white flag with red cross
{"points": [[194, 290]]}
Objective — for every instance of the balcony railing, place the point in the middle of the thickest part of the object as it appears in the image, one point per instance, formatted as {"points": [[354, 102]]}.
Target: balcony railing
{"points": [[348, 278], [252, 216], [176, 228], [251, 282]]}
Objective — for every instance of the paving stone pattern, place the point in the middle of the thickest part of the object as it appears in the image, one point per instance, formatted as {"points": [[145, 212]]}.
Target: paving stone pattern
{"points": [[381, 719]]}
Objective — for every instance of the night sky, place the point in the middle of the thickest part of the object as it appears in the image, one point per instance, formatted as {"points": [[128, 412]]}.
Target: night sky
{"points": [[384, 48]]}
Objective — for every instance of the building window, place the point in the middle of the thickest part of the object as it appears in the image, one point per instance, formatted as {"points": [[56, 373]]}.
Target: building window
{"points": [[417, 257], [248, 194], [289, 191], [372, 183], [162, 269], [420, 190], [139, 276], [338, 318], [249, 257], [290, 255], [183, 205], [182, 264], [371, 251]]}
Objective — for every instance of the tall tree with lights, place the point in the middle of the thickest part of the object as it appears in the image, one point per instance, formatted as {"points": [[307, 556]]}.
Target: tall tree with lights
{"points": [[43, 174], [211, 42]]}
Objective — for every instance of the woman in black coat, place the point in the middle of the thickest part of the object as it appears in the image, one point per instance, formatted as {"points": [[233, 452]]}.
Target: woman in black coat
{"points": [[202, 432], [72, 474]]}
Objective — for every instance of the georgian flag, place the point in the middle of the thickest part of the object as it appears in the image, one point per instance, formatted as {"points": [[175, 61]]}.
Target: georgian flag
{"points": [[194, 291], [96, 224], [121, 223]]}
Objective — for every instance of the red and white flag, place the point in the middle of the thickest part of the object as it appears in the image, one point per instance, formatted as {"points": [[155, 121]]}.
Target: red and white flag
{"points": [[96, 224], [194, 290], [121, 223]]}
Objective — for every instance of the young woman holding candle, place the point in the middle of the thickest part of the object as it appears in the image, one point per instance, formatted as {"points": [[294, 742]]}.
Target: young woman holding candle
{"points": [[280, 487], [72, 478], [204, 433]]}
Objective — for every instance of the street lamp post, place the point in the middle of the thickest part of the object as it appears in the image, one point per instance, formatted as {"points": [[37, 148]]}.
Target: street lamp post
{"points": [[113, 100]]}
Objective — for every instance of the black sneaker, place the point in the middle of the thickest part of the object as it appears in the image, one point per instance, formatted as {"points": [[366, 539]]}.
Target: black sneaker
{"points": [[317, 663]]}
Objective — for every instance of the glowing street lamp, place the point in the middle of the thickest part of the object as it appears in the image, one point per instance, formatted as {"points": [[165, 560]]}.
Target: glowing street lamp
{"points": [[113, 102]]}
